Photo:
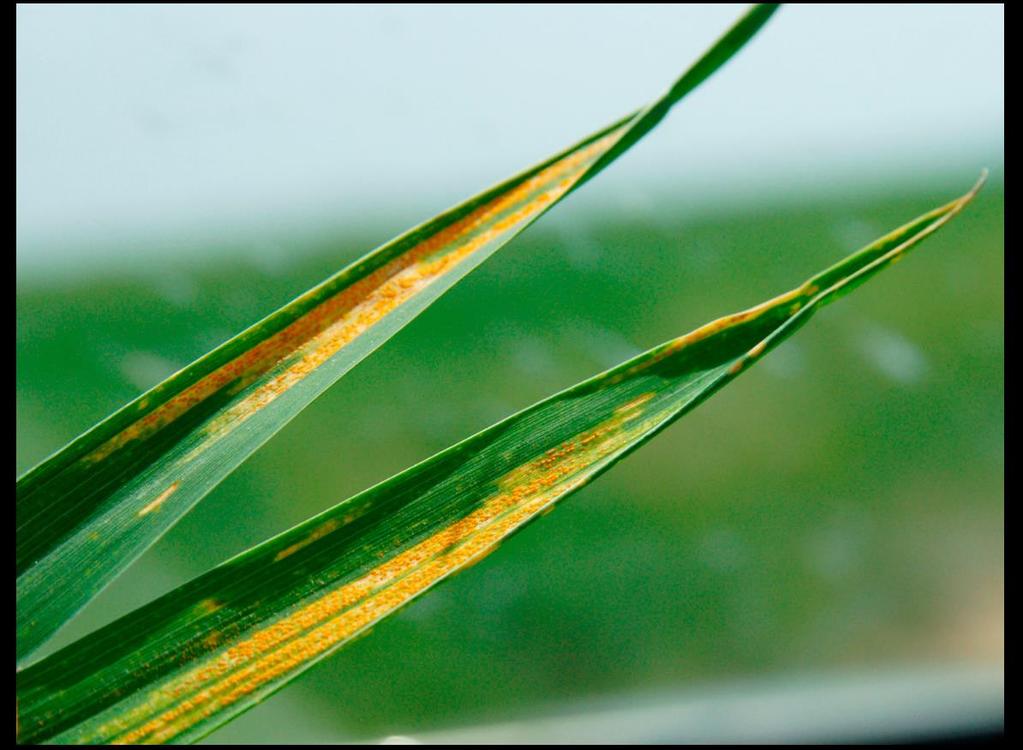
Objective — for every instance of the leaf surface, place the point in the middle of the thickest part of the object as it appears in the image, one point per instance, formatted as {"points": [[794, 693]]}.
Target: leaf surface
{"points": [[179, 667], [88, 511]]}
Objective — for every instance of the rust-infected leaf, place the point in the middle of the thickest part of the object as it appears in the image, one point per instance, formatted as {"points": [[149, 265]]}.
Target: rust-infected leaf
{"points": [[131, 477], [186, 663]]}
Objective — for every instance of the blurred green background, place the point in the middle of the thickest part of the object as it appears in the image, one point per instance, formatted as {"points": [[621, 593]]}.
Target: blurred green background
{"points": [[838, 508]]}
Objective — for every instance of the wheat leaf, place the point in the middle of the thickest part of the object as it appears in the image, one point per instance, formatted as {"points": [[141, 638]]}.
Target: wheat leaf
{"points": [[191, 660], [88, 511]]}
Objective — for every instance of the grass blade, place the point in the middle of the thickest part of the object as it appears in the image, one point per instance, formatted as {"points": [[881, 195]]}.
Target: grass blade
{"points": [[88, 511], [191, 660]]}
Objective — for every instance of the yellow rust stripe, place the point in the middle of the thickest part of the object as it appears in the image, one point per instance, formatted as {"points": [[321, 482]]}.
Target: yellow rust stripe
{"points": [[318, 533], [334, 323], [800, 295], [156, 503], [335, 617]]}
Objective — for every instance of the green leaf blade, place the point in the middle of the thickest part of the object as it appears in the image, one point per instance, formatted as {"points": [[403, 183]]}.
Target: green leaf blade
{"points": [[88, 511], [185, 664]]}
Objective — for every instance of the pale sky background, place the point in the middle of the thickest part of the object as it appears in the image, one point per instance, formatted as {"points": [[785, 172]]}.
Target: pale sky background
{"points": [[142, 128]]}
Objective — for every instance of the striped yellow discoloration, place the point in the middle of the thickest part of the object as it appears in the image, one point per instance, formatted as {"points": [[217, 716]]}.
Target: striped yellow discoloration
{"points": [[318, 533], [337, 616], [716, 326], [800, 296], [237, 665], [492, 549], [631, 409], [159, 500], [314, 338], [433, 258]]}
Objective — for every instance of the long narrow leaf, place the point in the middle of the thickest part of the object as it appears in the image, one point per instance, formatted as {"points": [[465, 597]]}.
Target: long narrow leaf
{"points": [[191, 660], [87, 512]]}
